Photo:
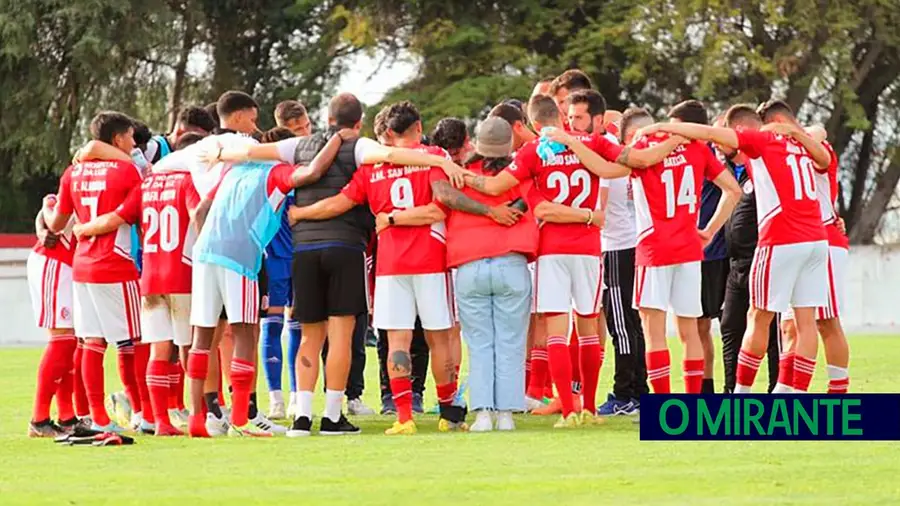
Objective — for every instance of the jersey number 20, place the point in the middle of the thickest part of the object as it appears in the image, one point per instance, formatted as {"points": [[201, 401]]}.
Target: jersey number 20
{"points": [[164, 224]]}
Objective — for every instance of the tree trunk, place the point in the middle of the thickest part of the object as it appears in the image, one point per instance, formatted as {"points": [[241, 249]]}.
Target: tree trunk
{"points": [[860, 176], [870, 217], [187, 44]]}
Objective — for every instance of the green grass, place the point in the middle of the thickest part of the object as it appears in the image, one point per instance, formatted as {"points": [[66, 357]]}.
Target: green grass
{"points": [[534, 465]]}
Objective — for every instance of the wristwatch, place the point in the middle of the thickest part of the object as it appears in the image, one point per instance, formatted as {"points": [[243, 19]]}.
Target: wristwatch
{"points": [[391, 218]]}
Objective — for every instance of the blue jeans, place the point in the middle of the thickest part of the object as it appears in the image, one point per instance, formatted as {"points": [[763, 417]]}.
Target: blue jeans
{"points": [[494, 299]]}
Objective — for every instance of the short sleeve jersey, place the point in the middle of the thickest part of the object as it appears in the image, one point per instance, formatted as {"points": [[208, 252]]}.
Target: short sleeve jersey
{"points": [[563, 179], [667, 203], [64, 249], [387, 188], [88, 190], [827, 189], [161, 206], [787, 204]]}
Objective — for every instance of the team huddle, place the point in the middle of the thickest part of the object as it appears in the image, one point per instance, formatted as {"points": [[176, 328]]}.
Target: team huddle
{"points": [[175, 248]]}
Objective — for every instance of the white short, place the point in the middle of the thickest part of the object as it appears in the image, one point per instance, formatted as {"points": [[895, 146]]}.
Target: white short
{"points": [[564, 282], [532, 268], [398, 299], [669, 286], [213, 287], [167, 319], [837, 267], [50, 285], [789, 275], [107, 310], [454, 307]]}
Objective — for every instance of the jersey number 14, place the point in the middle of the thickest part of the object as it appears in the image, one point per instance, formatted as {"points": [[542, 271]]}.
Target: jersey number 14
{"points": [[687, 192]]}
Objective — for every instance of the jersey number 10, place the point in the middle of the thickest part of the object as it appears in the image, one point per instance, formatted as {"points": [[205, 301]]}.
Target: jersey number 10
{"points": [[164, 224], [802, 173]]}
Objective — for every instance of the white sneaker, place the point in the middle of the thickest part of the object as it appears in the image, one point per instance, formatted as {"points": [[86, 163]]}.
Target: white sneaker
{"points": [[292, 406], [532, 404], [505, 421], [276, 405], [357, 407], [267, 425], [178, 417], [483, 422], [216, 427]]}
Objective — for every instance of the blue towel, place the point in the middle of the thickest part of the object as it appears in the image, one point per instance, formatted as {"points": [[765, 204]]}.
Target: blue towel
{"points": [[547, 148]]}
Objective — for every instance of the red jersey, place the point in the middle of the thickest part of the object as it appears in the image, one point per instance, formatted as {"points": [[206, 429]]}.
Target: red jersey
{"points": [[88, 190], [64, 249], [787, 205], [161, 204], [667, 203], [387, 188], [827, 190], [563, 179]]}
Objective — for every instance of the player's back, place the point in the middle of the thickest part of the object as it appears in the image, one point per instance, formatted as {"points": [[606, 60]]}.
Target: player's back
{"points": [[96, 188], [563, 179], [406, 250], [787, 202], [168, 236], [666, 197]]}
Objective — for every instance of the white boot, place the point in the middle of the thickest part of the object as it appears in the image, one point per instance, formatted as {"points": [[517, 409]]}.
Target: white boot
{"points": [[483, 422], [276, 405], [505, 421]]}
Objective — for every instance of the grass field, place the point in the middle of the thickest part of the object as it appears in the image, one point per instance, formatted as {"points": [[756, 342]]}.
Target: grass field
{"points": [[534, 465]]}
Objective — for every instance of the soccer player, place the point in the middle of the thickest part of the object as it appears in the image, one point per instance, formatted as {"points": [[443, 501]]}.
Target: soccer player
{"points": [[105, 280], [292, 115], [411, 277], [587, 113], [779, 117], [516, 119], [791, 262], [162, 205], [542, 87], [49, 269], [567, 83]]}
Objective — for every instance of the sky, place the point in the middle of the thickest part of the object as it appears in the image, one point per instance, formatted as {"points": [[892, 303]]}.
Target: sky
{"points": [[370, 85]]}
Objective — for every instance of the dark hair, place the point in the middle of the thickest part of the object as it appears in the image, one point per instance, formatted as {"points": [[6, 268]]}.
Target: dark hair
{"points": [[197, 117], [508, 112], [450, 134], [741, 114], [690, 111], [490, 165], [277, 134], [769, 109], [188, 138], [289, 110], [631, 115], [346, 110], [233, 101], [572, 80], [142, 133], [595, 102], [108, 124], [543, 109], [400, 116], [213, 113]]}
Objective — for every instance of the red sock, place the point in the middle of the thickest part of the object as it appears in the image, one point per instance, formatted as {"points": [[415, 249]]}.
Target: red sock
{"points": [[56, 362], [786, 368], [539, 368], [241, 382], [198, 367], [575, 361], [221, 390], [747, 367], [66, 387], [591, 358], [127, 376], [158, 386], [446, 393], [561, 371], [658, 371], [401, 390], [527, 372], [175, 376], [92, 373], [141, 359], [803, 372], [693, 375], [82, 407]]}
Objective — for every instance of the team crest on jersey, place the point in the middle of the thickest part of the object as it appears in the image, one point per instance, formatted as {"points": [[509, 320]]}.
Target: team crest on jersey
{"points": [[747, 187], [64, 313]]}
